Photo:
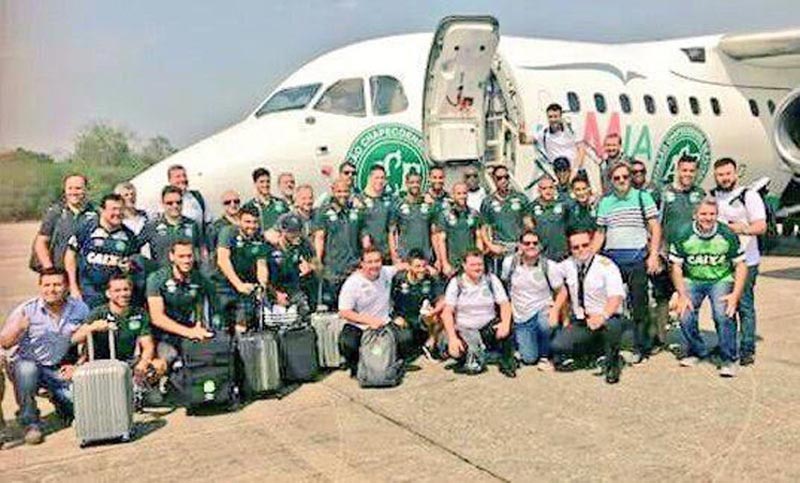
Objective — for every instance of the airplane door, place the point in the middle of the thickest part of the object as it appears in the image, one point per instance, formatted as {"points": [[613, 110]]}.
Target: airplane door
{"points": [[459, 67]]}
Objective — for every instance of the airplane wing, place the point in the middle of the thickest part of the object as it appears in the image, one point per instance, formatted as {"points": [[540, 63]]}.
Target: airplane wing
{"points": [[780, 48]]}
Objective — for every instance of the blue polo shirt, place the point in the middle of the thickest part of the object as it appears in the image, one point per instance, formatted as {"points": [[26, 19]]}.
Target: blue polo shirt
{"points": [[47, 339]]}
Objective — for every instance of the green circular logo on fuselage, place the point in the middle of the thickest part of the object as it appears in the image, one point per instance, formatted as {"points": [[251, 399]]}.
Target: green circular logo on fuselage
{"points": [[396, 147], [683, 138]]}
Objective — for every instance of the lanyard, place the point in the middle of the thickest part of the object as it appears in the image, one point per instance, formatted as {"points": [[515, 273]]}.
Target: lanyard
{"points": [[582, 271]]}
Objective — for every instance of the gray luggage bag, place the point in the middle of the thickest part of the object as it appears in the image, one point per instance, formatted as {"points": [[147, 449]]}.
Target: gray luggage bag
{"points": [[260, 357], [103, 395], [378, 361], [328, 326]]}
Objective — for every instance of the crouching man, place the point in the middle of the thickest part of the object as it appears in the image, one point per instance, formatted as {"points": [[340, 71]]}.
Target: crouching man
{"points": [[595, 288], [132, 325], [471, 322], [43, 328]]}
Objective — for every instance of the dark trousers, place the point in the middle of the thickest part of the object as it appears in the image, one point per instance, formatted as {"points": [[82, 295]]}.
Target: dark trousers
{"points": [[350, 343], [662, 292], [578, 340], [634, 275]]}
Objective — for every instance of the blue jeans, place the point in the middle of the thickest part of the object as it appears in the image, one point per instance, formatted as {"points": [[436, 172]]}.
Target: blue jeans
{"points": [[28, 378], [747, 313], [533, 337], [726, 326]]}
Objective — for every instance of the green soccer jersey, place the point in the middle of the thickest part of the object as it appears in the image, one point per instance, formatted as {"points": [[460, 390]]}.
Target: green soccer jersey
{"points": [[245, 253], [678, 210], [505, 215], [268, 211], [376, 212], [159, 234], [183, 298], [581, 217], [213, 231], [284, 264], [132, 323], [413, 219], [460, 226], [551, 226], [441, 202], [707, 257], [342, 228], [408, 296]]}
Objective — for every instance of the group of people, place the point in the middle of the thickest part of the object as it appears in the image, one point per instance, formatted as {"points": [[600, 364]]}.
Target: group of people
{"points": [[479, 273]]}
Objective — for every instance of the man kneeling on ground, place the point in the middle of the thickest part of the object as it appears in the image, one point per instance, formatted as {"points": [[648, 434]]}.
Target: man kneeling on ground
{"points": [[43, 327], [471, 322]]}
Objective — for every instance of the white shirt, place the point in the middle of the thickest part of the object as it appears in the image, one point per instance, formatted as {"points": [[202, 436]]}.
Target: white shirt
{"points": [[370, 297], [732, 210], [475, 198], [193, 210], [530, 292], [474, 307], [602, 281], [558, 144]]}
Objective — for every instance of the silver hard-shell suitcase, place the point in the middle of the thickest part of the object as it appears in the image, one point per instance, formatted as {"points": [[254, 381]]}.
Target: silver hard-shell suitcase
{"points": [[103, 395], [328, 326], [259, 353]]}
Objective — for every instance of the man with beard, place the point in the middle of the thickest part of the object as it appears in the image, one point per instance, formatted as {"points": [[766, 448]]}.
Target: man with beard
{"points": [[410, 222], [475, 192], [582, 214], [458, 232], [612, 154], [505, 214], [291, 264], [437, 196], [286, 184]]}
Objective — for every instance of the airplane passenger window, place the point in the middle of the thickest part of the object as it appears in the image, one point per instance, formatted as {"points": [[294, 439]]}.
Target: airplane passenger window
{"points": [[574, 102], [694, 105], [289, 99], [672, 103], [600, 103], [625, 103], [754, 108], [715, 106], [387, 95], [345, 97], [771, 106], [649, 104]]}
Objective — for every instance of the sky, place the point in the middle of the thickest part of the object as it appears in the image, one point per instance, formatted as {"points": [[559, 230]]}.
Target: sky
{"points": [[186, 69]]}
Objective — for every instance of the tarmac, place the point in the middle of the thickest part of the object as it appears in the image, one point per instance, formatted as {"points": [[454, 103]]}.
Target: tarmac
{"points": [[661, 422]]}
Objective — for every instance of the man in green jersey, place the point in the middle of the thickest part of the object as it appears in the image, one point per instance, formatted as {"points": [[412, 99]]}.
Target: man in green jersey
{"points": [[708, 261], [338, 241], [506, 213], [268, 207], [176, 294], [376, 204], [550, 215], [436, 194], [292, 264], [410, 222], [241, 267], [131, 325], [458, 231], [159, 233], [410, 290], [581, 212], [563, 172], [231, 203]]}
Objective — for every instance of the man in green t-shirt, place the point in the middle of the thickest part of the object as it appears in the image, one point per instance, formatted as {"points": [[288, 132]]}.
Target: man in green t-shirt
{"points": [[375, 203], [159, 233], [410, 222], [231, 203], [268, 207], [338, 240], [409, 291], [581, 211], [241, 267], [176, 296], [131, 325], [292, 265], [550, 216], [458, 231], [506, 213], [708, 261]]}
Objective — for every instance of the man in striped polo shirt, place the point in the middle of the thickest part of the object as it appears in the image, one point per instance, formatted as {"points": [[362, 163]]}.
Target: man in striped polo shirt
{"points": [[629, 233]]}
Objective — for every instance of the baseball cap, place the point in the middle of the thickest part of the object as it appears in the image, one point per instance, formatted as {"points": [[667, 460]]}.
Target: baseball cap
{"points": [[561, 164], [290, 222]]}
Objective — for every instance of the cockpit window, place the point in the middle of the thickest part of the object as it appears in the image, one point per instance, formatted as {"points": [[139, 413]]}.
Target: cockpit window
{"points": [[289, 99], [344, 97], [387, 95]]}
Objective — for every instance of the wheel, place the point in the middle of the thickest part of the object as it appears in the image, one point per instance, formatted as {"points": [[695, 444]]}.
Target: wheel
{"points": [[82, 444], [125, 438]]}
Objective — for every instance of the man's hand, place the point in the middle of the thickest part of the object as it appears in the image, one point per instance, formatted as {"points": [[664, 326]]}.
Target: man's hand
{"points": [[65, 372], [374, 322], [653, 264], [731, 305], [501, 331], [447, 269], [246, 288], [102, 325], [75, 292], [199, 333], [737, 227], [495, 249], [140, 369], [400, 322], [305, 267], [553, 316], [455, 347], [594, 322], [432, 271], [282, 298], [684, 305]]}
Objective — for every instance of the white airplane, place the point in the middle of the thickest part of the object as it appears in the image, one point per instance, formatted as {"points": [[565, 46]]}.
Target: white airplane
{"points": [[462, 94]]}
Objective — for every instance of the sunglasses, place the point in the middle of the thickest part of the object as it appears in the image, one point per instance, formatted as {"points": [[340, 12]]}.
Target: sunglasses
{"points": [[578, 247], [348, 172], [501, 177], [471, 175], [621, 177], [638, 171], [530, 243], [231, 202]]}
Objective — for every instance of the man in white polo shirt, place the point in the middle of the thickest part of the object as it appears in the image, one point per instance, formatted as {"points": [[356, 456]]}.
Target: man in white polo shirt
{"points": [[743, 211], [596, 290], [365, 303], [557, 139], [471, 322]]}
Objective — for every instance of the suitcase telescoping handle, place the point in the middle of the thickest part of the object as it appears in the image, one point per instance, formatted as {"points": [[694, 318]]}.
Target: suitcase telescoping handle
{"points": [[321, 307], [261, 294], [112, 343]]}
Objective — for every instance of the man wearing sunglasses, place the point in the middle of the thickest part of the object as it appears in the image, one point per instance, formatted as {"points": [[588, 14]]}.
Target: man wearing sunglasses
{"points": [[595, 288], [159, 233], [231, 202], [639, 181], [506, 214], [475, 192], [629, 234]]}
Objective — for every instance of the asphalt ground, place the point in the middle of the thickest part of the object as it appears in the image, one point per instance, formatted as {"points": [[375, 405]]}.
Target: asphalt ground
{"points": [[661, 422]]}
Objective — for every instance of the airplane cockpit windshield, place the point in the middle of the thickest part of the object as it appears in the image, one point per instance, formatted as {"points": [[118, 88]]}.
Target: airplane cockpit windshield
{"points": [[344, 97], [289, 99], [388, 96]]}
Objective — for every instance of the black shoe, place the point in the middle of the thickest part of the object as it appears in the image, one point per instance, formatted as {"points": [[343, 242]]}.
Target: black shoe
{"points": [[508, 369], [613, 372], [747, 360]]}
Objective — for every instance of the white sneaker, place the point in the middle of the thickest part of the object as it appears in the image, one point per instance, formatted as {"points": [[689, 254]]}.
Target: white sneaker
{"points": [[544, 365], [690, 361], [728, 370]]}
